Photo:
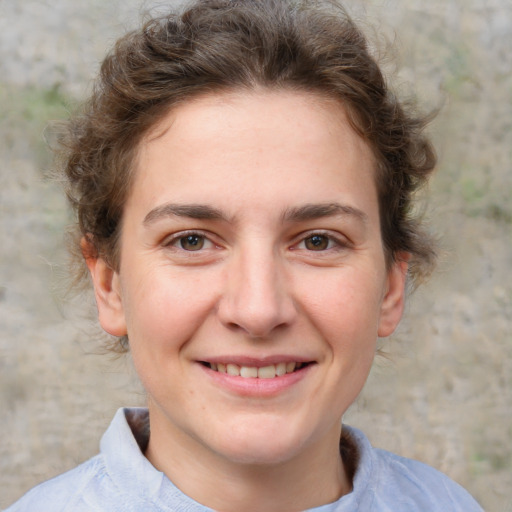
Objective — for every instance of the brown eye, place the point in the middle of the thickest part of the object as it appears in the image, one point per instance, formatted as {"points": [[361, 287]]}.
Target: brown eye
{"points": [[192, 242], [317, 243]]}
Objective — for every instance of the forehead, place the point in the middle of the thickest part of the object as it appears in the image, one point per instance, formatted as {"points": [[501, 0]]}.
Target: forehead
{"points": [[258, 105], [277, 141]]}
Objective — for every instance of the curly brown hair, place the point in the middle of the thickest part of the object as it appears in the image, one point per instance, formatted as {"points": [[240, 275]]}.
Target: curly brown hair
{"points": [[215, 45]]}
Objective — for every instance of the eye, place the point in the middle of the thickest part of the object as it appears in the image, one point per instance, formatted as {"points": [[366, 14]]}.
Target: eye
{"points": [[317, 242], [190, 242]]}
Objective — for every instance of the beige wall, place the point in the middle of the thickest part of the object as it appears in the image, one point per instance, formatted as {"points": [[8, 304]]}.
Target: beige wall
{"points": [[446, 395]]}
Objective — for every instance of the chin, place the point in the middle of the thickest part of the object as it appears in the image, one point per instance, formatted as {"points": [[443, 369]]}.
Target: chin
{"points": [[261, 444], [268, 454]]}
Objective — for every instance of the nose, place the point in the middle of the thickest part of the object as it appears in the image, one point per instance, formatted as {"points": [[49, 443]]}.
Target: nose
{"points": [[257, 299]]}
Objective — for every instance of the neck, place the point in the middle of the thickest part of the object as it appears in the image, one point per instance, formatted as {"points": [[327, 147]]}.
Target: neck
{"points": [[315, 477]]}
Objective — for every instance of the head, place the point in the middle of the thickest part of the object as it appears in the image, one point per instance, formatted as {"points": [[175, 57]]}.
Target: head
{"points": [[216, 46], [244, 180]]}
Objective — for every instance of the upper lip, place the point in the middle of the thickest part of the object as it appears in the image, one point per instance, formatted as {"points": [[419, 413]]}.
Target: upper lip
{"points": [[257, 362]]}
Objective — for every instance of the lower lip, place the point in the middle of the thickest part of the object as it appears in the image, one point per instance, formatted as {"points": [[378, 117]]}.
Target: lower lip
{"points": [[256, 387]]}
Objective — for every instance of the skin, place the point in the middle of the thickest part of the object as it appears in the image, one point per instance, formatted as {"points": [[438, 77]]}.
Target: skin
{"points": [[285, 263]]}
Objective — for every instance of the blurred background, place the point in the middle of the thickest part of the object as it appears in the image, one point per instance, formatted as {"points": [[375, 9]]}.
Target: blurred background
{"points": [[444, 393]]}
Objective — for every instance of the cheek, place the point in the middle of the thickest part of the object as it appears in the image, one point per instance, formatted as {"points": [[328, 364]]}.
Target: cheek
{"points": [[344, 306], [165, 309]]}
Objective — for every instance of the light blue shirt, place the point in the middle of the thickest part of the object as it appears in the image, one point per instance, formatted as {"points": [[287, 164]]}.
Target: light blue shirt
{"points": [[121, 479]]}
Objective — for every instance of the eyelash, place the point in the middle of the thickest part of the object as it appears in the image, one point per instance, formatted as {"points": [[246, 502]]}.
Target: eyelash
{"points": [[333, 243], [177, 238]]}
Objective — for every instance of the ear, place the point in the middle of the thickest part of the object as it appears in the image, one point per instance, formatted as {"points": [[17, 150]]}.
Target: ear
{"points": [[392, 306], [106, 290]]}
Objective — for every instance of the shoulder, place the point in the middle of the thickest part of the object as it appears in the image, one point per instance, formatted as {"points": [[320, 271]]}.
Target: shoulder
{"points": [[417, 483], [101, 483], [387, 481], [65, 492]]}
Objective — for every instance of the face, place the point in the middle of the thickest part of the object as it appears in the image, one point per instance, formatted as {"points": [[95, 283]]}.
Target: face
{"points": [[252, 281]]}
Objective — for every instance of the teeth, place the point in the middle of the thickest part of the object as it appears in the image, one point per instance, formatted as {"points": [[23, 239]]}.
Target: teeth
{"points": [[280, 369], [248, 371], [233, 369], [290, 367], [267, 372], [252, 372]]}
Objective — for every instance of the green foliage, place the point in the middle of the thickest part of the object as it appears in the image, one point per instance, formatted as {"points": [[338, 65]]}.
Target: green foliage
{"points": [[41, 105], [460, 70], [482, 462], [25, 113], [481, 201], [471, 192]]}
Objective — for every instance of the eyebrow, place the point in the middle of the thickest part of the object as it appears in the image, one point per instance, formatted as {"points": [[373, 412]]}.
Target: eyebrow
{"points": [[298, 214], [318, 211], [193, 211]]}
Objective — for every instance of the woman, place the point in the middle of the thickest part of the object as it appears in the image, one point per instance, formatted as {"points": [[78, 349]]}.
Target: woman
{"points": [[243, 182]]}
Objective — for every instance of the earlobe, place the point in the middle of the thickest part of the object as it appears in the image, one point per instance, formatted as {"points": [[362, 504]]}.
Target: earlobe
{"points": [[393, 303], [106, 291]]}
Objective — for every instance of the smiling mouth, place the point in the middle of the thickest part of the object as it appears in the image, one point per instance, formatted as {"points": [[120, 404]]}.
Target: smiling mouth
{"points": [[270, 371]]}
